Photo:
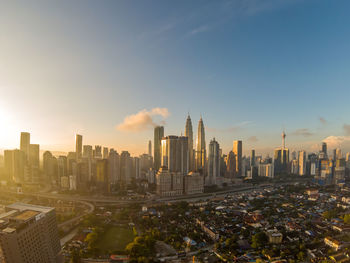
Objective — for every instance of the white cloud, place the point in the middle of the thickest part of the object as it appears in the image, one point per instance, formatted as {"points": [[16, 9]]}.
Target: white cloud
{"points": [[143, 120], [337, 141]]}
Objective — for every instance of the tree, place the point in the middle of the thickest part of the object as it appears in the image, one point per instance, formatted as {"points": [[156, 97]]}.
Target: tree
{"points": [[301, 256], [347, 219], [259, 239]]}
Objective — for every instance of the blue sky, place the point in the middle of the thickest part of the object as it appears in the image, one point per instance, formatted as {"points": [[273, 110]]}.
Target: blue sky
{"points": [[251, 68]]}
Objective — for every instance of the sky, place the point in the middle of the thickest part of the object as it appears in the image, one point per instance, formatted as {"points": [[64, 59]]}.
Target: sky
{"points": [[112, 70]]}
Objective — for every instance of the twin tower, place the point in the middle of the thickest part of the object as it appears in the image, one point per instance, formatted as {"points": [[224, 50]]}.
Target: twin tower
{"points": [[196, 158]]}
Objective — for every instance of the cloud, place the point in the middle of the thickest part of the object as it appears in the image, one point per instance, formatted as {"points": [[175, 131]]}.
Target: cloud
{"points": [[252, 139], [337, 141], [346, 128], [200, 29], [323, 121], [143, 120], [231, 129], [302, 132]]}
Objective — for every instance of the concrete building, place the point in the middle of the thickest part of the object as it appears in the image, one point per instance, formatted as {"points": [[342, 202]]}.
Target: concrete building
{"points": [[201, 154], [237, 150], [79, 145], [193, 183], [189, 134], [102, 180], [125, 168], [150, 148], [302, 163], [98, 152], [174, 154], [114, 167], [49, 167], [24, 144], [157, 144], [105, 153], [62, 167], [29, 233], [169, 184], [266, 169], [213, 163], [231, 164], [14, 163], [87, 151]]}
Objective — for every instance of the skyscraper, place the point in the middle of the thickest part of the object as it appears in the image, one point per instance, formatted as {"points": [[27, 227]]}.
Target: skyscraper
{"points": [[213, 163], [98, 152], [237, 150], [201, 154], [125, 168], [105, 153], [34, 150], [150, 148], [252, 158], [189, 134], [14, 162], [78, 145], [158, 135], [24, 144], [50, 167], [87, 151], [302, 163], [231, 164], [323, 153], [29, 233], [281, 157], [175, 154]]}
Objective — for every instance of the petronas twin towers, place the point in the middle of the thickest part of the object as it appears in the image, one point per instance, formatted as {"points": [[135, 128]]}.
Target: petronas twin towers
{"points": [[197, 158]]}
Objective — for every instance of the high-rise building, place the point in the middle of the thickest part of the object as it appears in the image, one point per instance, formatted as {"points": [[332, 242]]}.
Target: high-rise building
{"points": [[231, 164], [87, 151], [189, 134], [193, 183], [169, 184], [175, 154], [71, 160], [302, 162], [324, 151], [266, 170], [125, 168], [237, 150], [50, 167], [29, 233], [347, 158], [338, 154], [201, 154], [62, 166], [79, 145], [102, 180], [150, 148], [158, 135], [24, 144], [34, 150], [14, 162], [213, 163], [97, 152], [105, 153], [281, 157], [114, 167], [334, 154], [252, 158]]}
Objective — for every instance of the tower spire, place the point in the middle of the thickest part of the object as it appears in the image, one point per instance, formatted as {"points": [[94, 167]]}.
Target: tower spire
{"points": [[283, 140]]}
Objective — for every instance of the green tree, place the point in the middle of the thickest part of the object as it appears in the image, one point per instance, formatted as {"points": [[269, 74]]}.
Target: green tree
{"points": [[259, 239]]}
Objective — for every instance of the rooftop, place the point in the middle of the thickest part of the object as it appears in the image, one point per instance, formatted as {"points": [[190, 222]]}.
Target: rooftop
{"points": [[26, 215]]}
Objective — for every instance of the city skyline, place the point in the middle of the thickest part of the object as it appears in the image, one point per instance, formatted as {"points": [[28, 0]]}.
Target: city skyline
{"points": [[262, 64]]}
